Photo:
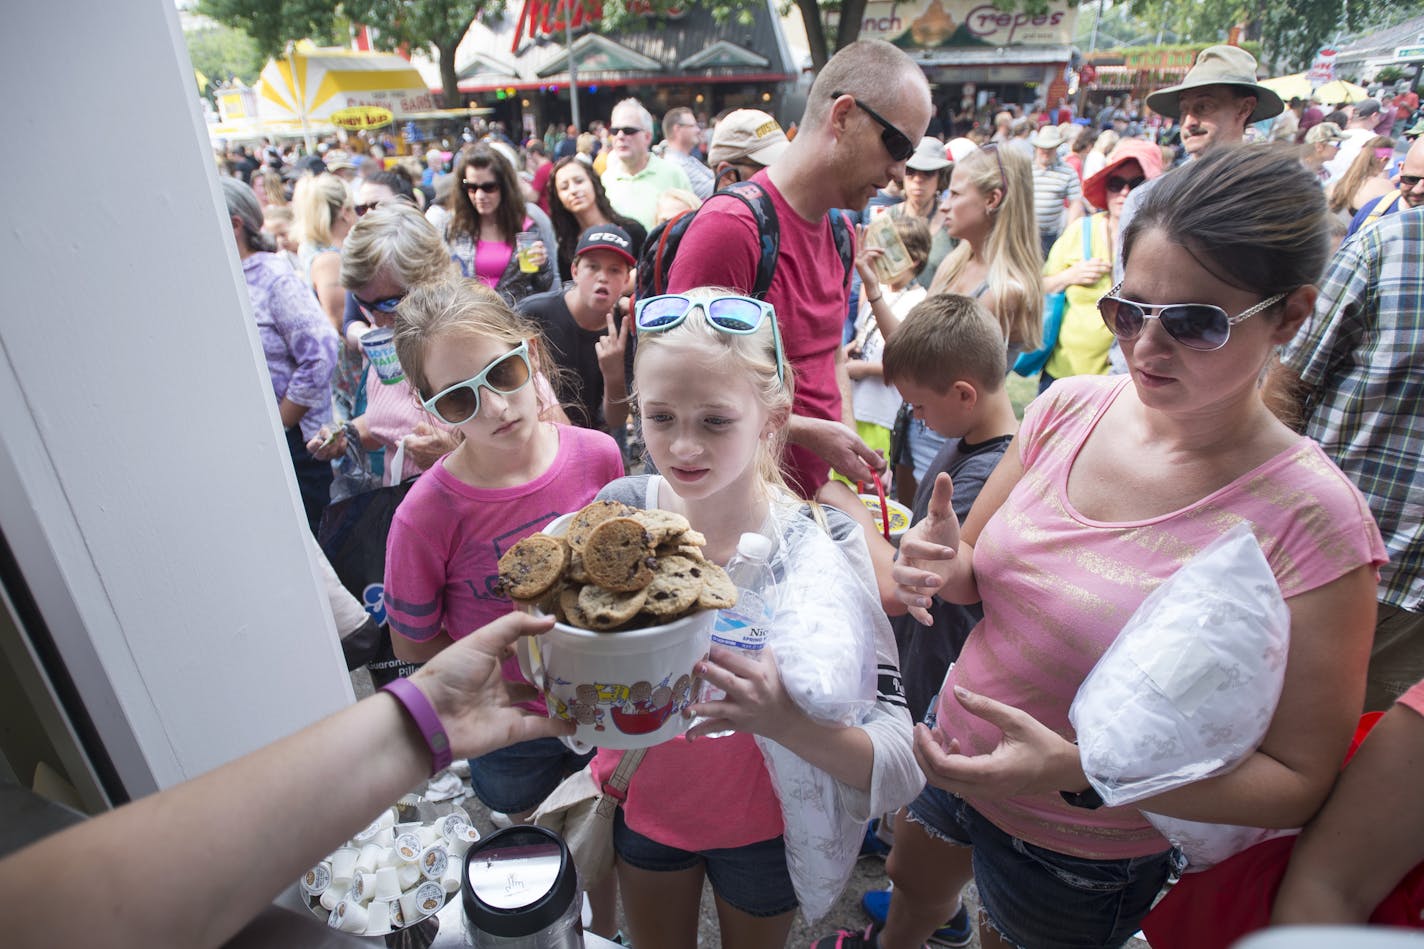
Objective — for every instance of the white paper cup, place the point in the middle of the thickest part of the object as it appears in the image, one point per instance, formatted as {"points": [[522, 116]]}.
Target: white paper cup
{"points": [[343, 865], [408, 875], [371, 857], [380, 347], [387, 885], [378, 919]]}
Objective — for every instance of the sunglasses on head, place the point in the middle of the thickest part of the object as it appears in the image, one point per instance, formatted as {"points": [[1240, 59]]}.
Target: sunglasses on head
{"points": [[1117, 183], [1199, 326], [383, 305], [488, 187], [740, 316], [626, 130], [1003, 180], [461, 402], [896, 142]]}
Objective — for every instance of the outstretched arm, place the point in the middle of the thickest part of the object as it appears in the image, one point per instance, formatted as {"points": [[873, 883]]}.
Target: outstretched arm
{"points": [[1369, 834], [191, 865]]}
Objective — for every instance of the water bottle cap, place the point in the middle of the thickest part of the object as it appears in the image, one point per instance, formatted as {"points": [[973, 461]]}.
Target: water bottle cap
{"points": [[754, 546]]}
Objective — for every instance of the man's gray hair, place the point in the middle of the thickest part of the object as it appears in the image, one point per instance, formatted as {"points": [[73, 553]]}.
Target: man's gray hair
{"points": [[645, 118]]}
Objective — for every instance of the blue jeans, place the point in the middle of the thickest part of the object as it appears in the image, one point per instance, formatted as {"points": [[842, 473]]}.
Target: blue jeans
{"points": [[518, 778], [753, 879], [1039, 898]]}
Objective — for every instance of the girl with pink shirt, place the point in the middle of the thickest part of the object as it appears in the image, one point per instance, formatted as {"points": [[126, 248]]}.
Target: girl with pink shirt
{"points": [[1111, 485], [472, 363], [714, 397]]}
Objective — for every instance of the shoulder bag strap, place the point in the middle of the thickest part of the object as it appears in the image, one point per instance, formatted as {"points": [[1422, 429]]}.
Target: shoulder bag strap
{"points": [[617, 784], [393, 476]]}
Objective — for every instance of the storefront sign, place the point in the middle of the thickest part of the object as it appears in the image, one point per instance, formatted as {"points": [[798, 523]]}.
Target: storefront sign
{"points": [[546, 17], [929, 24], [361, 117]]}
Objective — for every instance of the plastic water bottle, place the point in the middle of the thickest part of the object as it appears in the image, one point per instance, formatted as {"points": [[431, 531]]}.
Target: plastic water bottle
{"points": [[746, 626]]}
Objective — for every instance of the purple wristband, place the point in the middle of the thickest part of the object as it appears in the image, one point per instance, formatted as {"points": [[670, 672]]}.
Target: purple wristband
{"points": [[420, 709]]}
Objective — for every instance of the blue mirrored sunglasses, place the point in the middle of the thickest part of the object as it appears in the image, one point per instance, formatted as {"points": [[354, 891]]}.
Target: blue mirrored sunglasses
{"points": [[740, 316]]}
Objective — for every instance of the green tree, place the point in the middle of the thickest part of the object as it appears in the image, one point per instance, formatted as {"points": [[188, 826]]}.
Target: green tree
{"points": [[221, 52], [424, 24], [272, 23], [1290, 31]]}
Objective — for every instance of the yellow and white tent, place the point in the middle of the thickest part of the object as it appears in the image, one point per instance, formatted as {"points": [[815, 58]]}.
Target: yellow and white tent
{"points": [[310, 84]]}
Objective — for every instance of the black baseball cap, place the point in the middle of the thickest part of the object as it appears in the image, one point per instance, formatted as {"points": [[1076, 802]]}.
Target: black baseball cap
{"points": [[607, 237]]}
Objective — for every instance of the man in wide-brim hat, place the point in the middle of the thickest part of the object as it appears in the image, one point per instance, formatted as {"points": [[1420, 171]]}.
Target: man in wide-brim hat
{"points": [[1217, 100]]}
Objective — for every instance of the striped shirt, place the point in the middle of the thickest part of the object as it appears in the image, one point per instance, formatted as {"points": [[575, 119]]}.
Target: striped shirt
{"points": [[1052, 186], [1361, 355]]}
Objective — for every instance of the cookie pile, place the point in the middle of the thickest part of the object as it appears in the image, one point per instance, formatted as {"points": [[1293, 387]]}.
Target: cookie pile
{"points": [[617, 567]]}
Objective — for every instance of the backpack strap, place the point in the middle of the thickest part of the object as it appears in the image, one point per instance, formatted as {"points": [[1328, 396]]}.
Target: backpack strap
{"points": [[1382, 207], [845, 246], [660, 269], [754, 196]]}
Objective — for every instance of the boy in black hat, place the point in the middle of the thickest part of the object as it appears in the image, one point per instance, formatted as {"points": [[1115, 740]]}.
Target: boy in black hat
{"points": [[584, 332]]}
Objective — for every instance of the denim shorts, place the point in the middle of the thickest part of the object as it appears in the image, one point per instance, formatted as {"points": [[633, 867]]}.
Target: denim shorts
{"points": [[518, 778], [1040, 898], [753, 879]]}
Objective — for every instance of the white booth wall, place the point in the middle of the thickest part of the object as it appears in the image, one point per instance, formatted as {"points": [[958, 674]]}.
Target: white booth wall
{"points": [[147, 494]]}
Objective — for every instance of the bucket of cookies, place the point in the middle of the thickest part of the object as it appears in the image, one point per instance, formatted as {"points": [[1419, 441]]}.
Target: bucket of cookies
{"points": [[634, 599]]}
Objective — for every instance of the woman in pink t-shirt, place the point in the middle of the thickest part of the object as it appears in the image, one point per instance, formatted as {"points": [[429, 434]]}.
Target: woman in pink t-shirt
{"points": [[1111, 485]]}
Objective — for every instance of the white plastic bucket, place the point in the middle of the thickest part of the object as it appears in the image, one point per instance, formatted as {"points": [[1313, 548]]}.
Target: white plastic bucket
{"points": [[624, 690]]}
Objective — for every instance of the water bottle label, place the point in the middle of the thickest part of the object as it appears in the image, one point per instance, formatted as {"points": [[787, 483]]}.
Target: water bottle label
{"points": [[742, 627]]}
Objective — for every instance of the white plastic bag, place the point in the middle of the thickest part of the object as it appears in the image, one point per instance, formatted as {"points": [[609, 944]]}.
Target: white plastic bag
{"points": [[1189, 687], [823, 640]]}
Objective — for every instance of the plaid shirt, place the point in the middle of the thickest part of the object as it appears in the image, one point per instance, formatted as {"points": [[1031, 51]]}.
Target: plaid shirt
{"points": [[1362, 355]]}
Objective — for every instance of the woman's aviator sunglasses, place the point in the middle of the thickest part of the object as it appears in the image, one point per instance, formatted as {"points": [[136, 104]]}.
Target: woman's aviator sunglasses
{"points": [[1198, 326], [461, 402], [740, 316], [383, 305], [488, 187]]}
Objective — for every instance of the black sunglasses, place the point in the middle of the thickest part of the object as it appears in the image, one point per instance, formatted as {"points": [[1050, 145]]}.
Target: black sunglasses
{"points": [[1117, 183], [383, 305], [896, 142], [1199, 326], [1409, 181], [628, 130], [488, 187]]}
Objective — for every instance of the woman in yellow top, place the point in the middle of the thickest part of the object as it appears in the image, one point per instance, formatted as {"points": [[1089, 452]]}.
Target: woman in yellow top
{"points": [[1083, 340]]}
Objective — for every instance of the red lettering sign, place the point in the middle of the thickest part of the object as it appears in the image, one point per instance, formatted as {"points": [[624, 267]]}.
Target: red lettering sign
{"points": [[547, 17]]}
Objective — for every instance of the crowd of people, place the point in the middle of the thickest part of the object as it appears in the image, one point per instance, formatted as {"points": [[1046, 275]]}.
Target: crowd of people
{"points": [[1225, 325]]}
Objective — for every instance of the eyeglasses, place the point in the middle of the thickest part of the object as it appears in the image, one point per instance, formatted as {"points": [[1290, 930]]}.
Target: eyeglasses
{"points": [[383, 305], [740, 316], [461, 402], [626, 130], [1409, 181], [897, 143], [361, 209], [1118, 183], [488, 187], [1198, 326], [1003, 179]]}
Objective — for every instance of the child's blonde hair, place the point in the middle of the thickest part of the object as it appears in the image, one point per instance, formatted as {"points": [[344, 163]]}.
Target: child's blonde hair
{"points": [[753, 354], [455, 309], [317, 201]]}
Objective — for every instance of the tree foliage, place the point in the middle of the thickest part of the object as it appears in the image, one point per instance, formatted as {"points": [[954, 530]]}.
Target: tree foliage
{"points": [[221, 52], [436, 25], [272, 23]]}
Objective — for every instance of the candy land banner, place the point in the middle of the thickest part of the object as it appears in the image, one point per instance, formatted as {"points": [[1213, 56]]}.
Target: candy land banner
{"points": [[929, 24]]}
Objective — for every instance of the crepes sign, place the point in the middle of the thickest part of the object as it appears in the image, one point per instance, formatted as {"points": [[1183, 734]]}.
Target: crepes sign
{"points": [[929, 24]]}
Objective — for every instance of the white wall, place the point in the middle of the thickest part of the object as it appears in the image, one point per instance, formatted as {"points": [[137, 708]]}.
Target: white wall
{"points": [[146, 492]]}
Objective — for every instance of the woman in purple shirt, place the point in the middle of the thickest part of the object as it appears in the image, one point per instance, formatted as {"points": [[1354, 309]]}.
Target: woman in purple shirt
{"points": [[297, 339]]}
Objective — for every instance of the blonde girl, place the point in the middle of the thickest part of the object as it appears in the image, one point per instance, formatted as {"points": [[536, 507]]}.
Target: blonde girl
{"points": [[989, 208], [474, 366], [324, 215], [714, 394]]}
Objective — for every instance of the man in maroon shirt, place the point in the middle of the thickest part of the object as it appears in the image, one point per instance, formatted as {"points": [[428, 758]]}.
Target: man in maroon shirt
{"points": [[864, 113]]}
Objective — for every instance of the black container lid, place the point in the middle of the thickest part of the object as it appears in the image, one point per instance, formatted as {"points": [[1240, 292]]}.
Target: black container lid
{"points": [[510, 844]]}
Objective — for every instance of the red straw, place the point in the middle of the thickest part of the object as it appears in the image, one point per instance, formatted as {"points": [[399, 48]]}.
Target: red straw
{"points": [[884, 506]]}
